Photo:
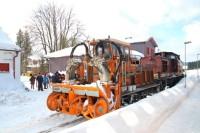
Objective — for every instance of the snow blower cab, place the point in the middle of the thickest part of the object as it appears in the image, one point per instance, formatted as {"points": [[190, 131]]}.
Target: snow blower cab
{"points": [[95, 82]]}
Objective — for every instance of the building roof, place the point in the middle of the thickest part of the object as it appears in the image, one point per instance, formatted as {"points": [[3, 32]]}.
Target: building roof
{"points": [[119, 42], [6, 43], [81, 51], [151, 40], [66, 52], [168, 53]]}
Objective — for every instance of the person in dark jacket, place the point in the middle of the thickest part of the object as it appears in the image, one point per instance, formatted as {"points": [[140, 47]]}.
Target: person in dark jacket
{"points": [[40, 81], [56, 78], [32, 80]]}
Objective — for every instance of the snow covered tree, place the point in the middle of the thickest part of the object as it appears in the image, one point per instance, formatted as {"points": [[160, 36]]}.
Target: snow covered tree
{"points": [[23, 40]]}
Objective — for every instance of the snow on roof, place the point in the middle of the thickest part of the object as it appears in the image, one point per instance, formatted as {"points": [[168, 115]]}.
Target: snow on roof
{"points": [[80, 50], [34, 66], [35, 57], [6, 43], [136, 54]]}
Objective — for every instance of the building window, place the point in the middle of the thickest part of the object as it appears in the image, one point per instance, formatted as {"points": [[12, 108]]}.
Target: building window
{"points": [[147, 51], [152, 51], [4, 67]]}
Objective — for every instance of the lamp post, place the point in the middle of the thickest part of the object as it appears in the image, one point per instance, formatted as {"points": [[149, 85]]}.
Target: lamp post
{"points": [[185, 60], [130, 37], [198, 66]]}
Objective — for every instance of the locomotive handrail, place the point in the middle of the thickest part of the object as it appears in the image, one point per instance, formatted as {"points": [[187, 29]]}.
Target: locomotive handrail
{"points": [[86, 50]]}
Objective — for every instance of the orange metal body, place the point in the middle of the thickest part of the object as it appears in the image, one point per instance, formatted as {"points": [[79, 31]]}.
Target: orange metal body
{"points": [[84, 96], [94, 85]]}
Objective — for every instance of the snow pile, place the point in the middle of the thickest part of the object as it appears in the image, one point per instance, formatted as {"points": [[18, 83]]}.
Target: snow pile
{"points": [[186, 118], [9, 83], [31, 113], [19, 106], [144, 116], [11, 91]]}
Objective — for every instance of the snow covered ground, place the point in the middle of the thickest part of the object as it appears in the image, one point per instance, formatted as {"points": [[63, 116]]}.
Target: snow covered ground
{"points": [[186, 118], [26, 111], [151, 114]]}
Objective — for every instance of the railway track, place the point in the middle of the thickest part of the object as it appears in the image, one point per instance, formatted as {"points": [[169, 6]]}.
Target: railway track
{"points": [[64, 125], [51, 123]]}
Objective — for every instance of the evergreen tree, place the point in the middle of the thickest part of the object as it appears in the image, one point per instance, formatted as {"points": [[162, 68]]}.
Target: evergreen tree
{"points": [[20, 38], [193, 65], [27, 44], [23, 40], [43, 66]]}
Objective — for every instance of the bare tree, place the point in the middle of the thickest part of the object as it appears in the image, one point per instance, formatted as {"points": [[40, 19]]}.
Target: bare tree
{"points": [[55, 28]]}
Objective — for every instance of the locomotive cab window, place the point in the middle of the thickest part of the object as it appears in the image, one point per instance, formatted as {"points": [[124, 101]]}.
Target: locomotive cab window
{"points": [[114, 51], [103, 50], [135, 61], [172, 57], [134, 58], [127, 52], [107, 52]]}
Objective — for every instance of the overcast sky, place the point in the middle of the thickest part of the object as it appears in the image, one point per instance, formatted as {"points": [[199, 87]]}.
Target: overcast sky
{"points": [[170, 22]]}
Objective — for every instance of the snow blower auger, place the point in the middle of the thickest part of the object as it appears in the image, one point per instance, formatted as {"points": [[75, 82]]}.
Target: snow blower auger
{"points": [[97, 82]]}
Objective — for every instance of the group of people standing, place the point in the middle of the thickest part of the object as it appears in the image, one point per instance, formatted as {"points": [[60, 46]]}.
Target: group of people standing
{"points": [[42, 81]]}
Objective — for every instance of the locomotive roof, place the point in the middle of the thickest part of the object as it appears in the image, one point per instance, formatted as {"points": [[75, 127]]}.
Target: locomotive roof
{"points": [[168, 53], [118, 42]]}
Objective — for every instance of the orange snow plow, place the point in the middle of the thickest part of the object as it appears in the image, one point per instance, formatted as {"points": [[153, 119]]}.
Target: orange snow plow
{"points": [[90, 88], [88, 100], [101, 80]]}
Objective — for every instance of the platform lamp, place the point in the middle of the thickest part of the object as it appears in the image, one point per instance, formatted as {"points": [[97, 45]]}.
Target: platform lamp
{"points": [[198, 65], [130, 37], [187, 42]]}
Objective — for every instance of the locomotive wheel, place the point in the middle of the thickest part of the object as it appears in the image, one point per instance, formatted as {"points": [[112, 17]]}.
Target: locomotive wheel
{"points": [[63, 103], [101, 107], [52, 103], [88, 112], [76, 106]]}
